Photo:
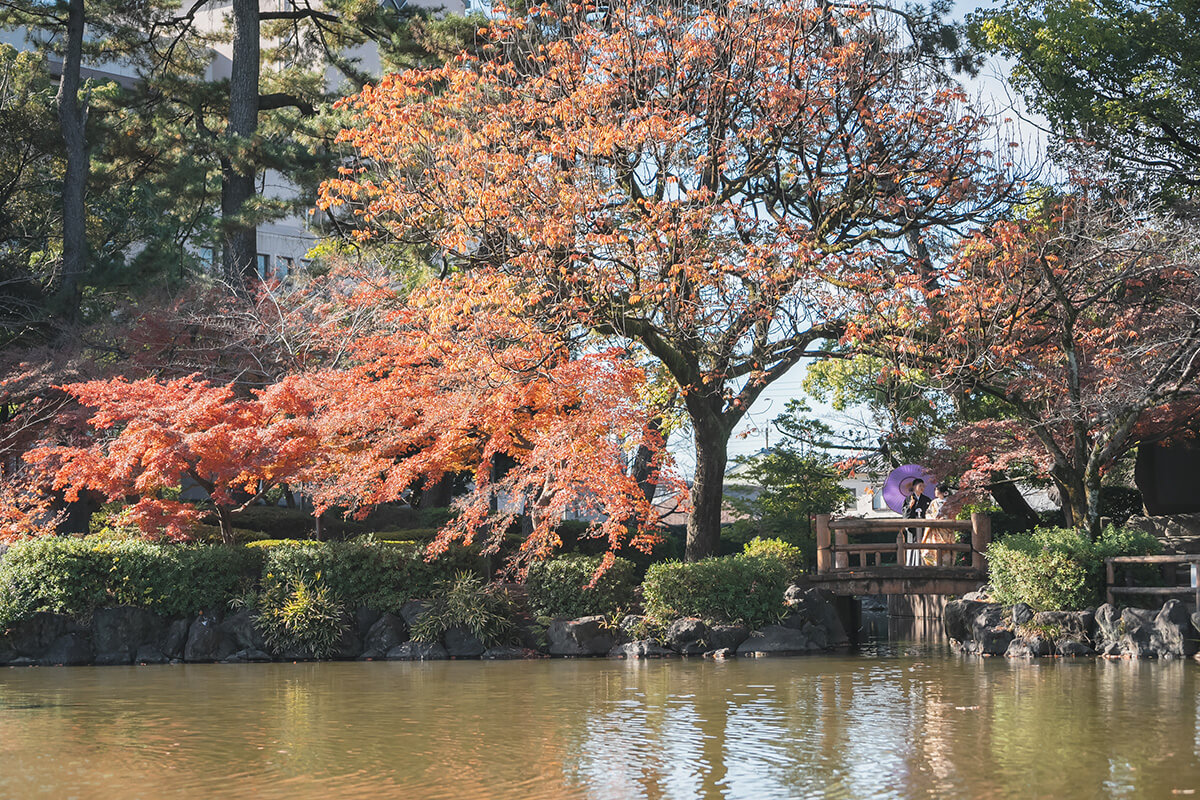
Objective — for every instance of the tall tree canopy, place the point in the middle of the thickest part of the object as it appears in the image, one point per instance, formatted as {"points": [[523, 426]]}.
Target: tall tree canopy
{"points": [[1120, 75], [1080, 319], [699, 179]]}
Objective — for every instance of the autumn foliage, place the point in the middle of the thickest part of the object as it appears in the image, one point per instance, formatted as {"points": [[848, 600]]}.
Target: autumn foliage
{"points": [[151, 435], [1080, 321], [699, 180], [456, 378]]}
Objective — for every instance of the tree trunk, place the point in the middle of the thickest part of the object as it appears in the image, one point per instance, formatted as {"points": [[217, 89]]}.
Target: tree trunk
{"points": [[72, 117], [708, 490], [239, 257], [226, 522], [643, 462]]}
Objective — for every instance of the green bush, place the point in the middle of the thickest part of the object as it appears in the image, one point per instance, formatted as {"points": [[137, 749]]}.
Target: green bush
{"points": [[1058, 569], [468, 603], [77, 575], [365, 572], [788, 554], [559, 587], [745, 588], [301, 616]]}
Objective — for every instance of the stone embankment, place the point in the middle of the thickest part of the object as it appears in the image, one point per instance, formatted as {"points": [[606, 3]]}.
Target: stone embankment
{"points": [[129, 635], [977, 627]]}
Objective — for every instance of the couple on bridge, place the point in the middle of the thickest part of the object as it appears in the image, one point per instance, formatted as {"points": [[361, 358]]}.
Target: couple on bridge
{"points": [[918, 505]]}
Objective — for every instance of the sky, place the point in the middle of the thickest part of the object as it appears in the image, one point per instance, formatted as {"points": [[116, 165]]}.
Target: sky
{"points": [[992, 95]]}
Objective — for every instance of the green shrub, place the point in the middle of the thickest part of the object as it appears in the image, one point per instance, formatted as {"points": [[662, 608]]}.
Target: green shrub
{"points": [[1055, 569], [468, 603], [727, 589], [364, 572], [791, 556], [77, 575], [300, 616], [559, 587]]}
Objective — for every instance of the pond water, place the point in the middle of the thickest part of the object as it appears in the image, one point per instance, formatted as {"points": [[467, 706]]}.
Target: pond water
{"points": [[893, 721]]}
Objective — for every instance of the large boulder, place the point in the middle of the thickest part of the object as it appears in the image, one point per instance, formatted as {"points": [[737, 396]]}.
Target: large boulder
{"points": [[688, 636], [242, 633], [208, 641], [119, 633], [412, 611], [386, 632], [1146, 633], [776, 640], [32, 637], [72, 649], [175, 639], [811, 610], [586, 636], [965, 620], [418, 651], [461, 643], [1173, 637], [726, 637]]}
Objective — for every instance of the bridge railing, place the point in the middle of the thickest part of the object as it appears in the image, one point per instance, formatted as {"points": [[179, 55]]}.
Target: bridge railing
{"points": [[1191, 560], [835, 550]]}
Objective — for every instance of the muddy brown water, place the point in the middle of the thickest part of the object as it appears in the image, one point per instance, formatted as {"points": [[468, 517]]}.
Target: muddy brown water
{"points": [[893, 721]]}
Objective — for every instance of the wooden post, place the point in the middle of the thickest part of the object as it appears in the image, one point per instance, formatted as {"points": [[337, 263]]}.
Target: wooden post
{"points": [[823, 554], [900, 555], [1195, 577], [1110, 577], [841, 559], [981, 537]]}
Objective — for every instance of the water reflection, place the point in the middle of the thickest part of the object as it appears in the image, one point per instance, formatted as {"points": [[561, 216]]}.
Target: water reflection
{"points": [[906, 721]]}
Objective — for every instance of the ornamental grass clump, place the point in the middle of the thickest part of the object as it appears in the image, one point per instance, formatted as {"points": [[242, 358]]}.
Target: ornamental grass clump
{"points": [[1059, 569], [467, 603], [301, 617], [568, 587]]}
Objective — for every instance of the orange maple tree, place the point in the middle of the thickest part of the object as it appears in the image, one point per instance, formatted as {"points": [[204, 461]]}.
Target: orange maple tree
{"points": [[699, 182], [1080, 319], [149, 436], [460, 377]]}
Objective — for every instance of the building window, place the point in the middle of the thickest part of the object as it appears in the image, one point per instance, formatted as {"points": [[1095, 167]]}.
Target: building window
{"points": [[284, 266], [264, 266]]}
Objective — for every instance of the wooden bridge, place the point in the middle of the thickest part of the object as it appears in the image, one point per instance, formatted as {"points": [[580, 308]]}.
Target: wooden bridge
{"points": [[860, 568]]}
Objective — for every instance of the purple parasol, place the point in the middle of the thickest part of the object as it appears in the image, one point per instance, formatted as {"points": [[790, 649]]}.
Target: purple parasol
{"points": [[899, 484]]}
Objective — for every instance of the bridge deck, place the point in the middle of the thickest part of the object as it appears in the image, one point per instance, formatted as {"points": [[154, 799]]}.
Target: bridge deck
{"points": [[899, 580]]}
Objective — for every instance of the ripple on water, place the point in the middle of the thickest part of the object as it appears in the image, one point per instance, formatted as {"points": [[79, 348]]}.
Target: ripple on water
{"points": [[900, 723]]}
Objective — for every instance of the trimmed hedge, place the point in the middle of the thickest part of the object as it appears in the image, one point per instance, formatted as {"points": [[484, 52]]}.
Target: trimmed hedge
{"points": [[1058, 569], [559, 587], [77, 575], [741, 588], [380, 575]]}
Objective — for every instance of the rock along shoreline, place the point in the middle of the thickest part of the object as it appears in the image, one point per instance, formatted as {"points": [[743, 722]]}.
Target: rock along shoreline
{"points": [[130, 635], [977, 627]]}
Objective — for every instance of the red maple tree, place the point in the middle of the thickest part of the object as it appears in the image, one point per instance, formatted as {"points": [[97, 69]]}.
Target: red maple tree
{"points": [[150, 436], [461, 377]]}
